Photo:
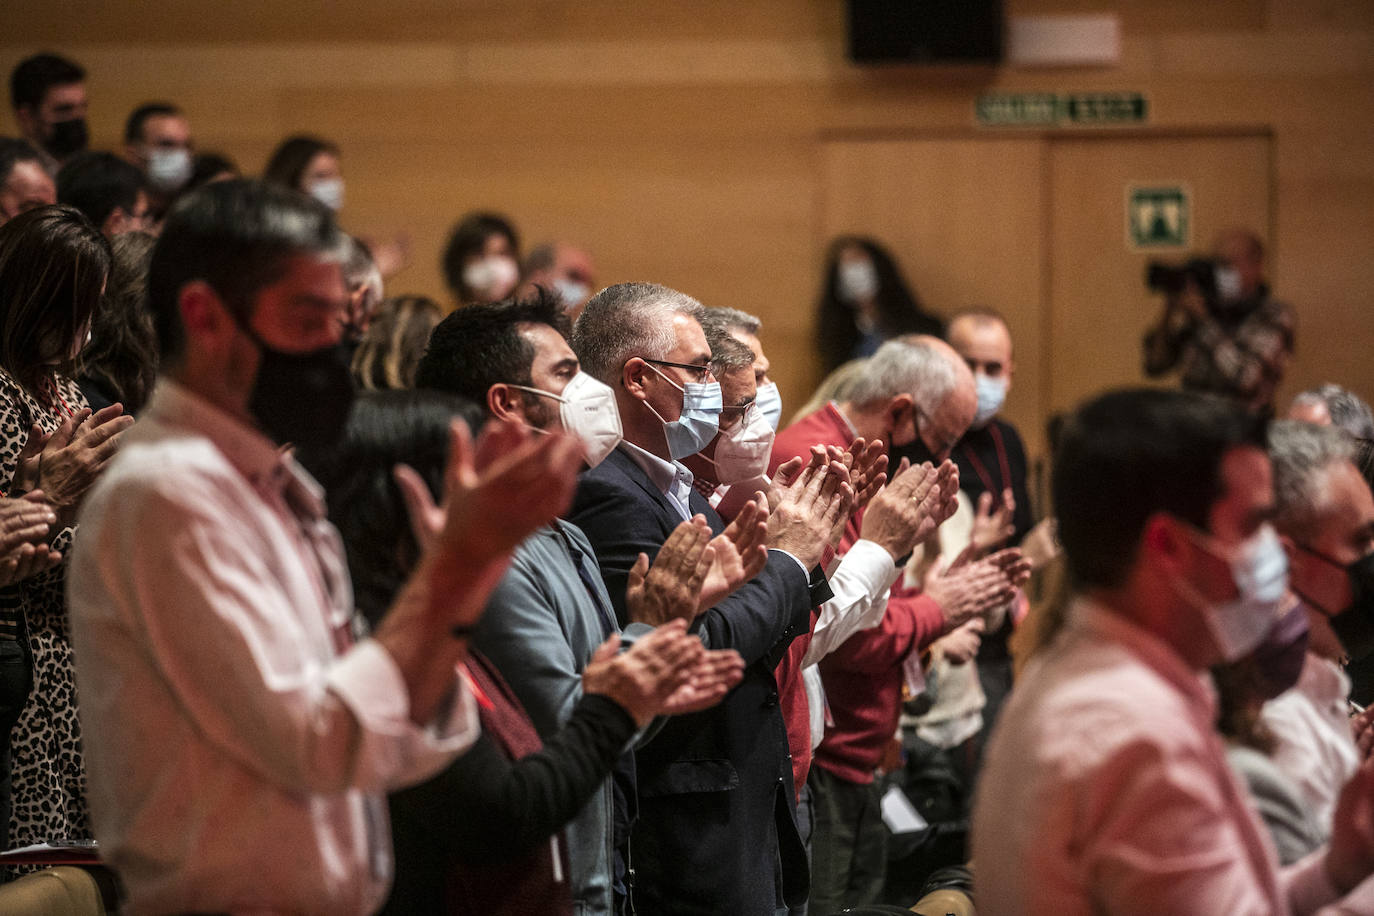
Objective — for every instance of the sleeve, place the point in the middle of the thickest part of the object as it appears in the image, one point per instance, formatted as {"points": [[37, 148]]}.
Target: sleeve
{"points": [[234, 652], [860, 584], [485, 808], [520, 633], [1163, 343], [1160, 837], [1254, 353], [912, 622]]}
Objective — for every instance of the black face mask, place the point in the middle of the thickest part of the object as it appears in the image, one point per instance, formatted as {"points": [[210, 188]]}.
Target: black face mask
{"points": [[302, 398], [1354, 626], [68, 137]]}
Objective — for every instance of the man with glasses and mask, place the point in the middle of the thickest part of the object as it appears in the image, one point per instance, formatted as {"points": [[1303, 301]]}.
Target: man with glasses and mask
{"points": [[1325, 520], [551, 610], [1106, 787], [917, 394], [716, 831], [240, 731]]}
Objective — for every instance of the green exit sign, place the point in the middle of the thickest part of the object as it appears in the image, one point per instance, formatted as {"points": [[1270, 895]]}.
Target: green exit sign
{"points": [[1060, 109]]}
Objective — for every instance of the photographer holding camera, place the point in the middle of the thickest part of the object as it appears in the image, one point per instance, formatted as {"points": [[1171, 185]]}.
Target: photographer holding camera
{"points": [[1220, 324]]}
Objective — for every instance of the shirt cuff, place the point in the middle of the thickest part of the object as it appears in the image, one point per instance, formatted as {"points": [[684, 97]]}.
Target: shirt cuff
{"points": [[1309, 887], [370, 684], [870, 567]]}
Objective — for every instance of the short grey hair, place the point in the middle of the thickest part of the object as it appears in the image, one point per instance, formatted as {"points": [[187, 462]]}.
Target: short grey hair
{"points": [[1302, 456], [728, 319], [629, 320], [1346, 409], [916, 368], [727, 353]]}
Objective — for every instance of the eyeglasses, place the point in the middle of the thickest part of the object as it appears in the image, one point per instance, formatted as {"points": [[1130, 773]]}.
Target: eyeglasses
{"points": [[742, 413], [699, 373]]}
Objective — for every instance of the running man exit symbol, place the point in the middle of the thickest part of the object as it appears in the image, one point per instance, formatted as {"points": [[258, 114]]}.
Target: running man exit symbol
{"points": [[1157, 216]]}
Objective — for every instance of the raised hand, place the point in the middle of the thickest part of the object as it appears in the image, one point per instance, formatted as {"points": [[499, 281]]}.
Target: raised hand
{"points": [[671, 588], [909, 509], [75, 453], [809, 506], [642, 679], [962, 644], [973, 588], [867, 471], [1350, 853], [714, 676], [992, 527], [24, 526], [739, 553]]}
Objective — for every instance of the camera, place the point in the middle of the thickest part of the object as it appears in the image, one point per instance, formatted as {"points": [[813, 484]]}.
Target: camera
{"points": [[1216, 281]]}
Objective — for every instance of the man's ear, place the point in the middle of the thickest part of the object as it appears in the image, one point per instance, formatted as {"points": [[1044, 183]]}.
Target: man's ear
{"points": [[632, 377], [202, 311], [505, 402], [899, 419], [1162, 541]]}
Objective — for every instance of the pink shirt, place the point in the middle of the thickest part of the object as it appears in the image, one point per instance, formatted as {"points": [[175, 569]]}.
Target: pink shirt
{"points": [[1106, 790], [239, 742]]}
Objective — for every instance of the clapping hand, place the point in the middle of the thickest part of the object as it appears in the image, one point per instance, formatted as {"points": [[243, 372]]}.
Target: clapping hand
{"points": [[671, 587]]}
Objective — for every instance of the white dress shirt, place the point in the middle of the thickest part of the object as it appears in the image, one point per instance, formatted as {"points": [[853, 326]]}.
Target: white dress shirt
{"points": [[1314, 745], [1106, 790], [239, 743]]}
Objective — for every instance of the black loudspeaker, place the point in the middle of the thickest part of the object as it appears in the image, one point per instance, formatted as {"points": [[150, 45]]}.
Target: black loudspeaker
{"points": [[925, 31]]}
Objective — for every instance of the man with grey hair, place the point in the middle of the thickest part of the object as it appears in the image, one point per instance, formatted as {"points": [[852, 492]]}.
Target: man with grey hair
{"points": [[1332, 405], [716, 830], [744, 327], [918, 394], [1325, 519]]}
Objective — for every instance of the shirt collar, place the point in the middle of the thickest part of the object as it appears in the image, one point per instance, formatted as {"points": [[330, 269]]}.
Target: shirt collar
{"points": [[840, 420], [1106, 625], [267, 466], [662, 474]]}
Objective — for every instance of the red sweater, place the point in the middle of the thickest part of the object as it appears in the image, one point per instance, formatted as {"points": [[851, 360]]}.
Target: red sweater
{"points": [[863, 678]]}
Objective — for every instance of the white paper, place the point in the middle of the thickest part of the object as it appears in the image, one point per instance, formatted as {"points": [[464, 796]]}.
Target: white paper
{"points": [[899, 814]]}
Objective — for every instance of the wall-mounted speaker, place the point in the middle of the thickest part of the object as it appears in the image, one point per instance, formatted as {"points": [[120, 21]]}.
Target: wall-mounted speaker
{"points": [[925, 31]]}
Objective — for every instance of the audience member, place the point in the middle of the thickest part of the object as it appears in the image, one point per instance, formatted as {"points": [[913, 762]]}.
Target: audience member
{"points": [[108, 190], [309, 165], [119, 364], [240, 733], [396, 337], [157, 139], [486, 835], [1105, 787], [716, 829], [563, 269], [53, 266], [363, 281], [745, 328], [210, 167], [1234, 341], [481, 259], [1332, 405], [24, 182], [1325, 520], [551, 611], [865, 301], [906, 392], [48, 95]]}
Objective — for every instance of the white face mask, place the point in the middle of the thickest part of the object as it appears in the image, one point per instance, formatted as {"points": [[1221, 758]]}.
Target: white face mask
{"points": [[769, 403], [169, 169], [571, 293], [491, 278], [1259, 568], [992, 392], [329, 191], [857, 280], [587, 409], [742, 453]]}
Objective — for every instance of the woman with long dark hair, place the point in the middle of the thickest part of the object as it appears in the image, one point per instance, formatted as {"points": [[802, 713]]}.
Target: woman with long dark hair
{"points": [[53, 269], [310, 165], [119, 365], [864, 302]]}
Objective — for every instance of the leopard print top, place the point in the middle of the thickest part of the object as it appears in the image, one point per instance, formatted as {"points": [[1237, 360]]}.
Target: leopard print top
{"points": [[49, 777]]}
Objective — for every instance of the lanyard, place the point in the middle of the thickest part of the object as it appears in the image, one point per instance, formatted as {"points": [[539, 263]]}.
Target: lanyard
{"points": [[1002, 464]]}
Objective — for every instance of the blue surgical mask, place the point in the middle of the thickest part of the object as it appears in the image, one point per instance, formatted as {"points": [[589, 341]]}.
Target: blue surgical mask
{"points": [[769, 403], [1259, 568], [700, 420], [992, 392]]}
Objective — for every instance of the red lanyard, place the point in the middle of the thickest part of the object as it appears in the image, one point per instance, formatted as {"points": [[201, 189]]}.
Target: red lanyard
{"points": [[1002, 465], [57, 393]]}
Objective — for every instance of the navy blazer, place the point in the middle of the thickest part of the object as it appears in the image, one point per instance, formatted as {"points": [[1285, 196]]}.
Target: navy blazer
{"points": [[717, 829]]}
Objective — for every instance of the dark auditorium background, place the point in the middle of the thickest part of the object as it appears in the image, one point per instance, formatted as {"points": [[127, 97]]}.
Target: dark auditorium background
{"points": [[716, 145]]}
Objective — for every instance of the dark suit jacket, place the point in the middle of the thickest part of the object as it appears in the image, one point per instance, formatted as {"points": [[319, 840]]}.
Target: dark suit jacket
{"points": [[717, 827]]}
